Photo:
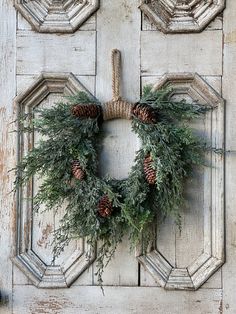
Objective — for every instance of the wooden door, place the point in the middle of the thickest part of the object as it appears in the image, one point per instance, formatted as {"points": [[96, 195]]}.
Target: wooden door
{"points": [[49, 47]]}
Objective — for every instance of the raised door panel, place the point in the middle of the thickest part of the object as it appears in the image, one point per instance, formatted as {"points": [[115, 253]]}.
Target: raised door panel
{"points": [[196, 252], [56, 16], [181, 16], [34, 231]]}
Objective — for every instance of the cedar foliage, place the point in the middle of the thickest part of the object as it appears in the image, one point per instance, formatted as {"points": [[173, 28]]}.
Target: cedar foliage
{"points": [[171, 144]]}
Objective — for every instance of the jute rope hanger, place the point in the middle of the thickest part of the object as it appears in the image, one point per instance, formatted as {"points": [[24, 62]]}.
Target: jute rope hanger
{"points": [[117, 107]]}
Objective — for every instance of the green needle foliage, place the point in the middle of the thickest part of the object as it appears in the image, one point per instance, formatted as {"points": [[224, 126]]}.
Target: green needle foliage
{"points": [[170, 142]]}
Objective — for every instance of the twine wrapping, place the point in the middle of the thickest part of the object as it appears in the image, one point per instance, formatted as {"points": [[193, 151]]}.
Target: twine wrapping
{"points": [[116, 74], [117, 107]]}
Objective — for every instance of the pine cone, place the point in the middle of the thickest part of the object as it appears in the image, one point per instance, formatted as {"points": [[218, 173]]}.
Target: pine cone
{"points": [[77, 171], [150, 173], [86, 110], [144, 113], [105, 208]]}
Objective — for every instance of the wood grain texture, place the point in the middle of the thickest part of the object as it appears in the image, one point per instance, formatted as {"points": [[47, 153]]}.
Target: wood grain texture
{"points": [[181, 16], [147, 25], [198, 194], [7, 148], [202, 234], [56, 16], [229, 92], [115, 21], [23, 82], [116, 300], [56, 53], [23, 24], [201, 53], [33, 249], [87, 54]]}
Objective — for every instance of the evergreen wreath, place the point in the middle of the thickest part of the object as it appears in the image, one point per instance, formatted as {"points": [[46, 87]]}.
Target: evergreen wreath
{"points": [[104, 209]]}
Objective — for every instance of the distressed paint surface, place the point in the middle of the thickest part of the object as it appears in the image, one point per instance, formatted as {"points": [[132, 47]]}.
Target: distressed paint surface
{"points": [[201, 53], [118, 300], [113, 30], [181, 16], [55, 53], [7, 149], [64, 16], [35, 231], [229, 92], [147, 54]]}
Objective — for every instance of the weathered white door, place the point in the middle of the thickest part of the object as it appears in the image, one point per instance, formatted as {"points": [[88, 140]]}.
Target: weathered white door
{"points": [[187, 44]]}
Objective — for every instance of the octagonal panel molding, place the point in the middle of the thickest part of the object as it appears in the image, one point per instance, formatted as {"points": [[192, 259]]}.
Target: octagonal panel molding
{"points": [[36, 266], [56, 16], [212, 257], [181, 16]]}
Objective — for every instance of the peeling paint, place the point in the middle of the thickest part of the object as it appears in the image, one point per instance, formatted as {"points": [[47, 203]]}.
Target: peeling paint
{"points": [[44, 240], [230, 37], [52, 304], [221, 307]]}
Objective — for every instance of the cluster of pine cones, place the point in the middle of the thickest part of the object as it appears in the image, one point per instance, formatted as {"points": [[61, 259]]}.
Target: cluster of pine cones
{"points": [[149, 115], [105, 207], [145, 114]]}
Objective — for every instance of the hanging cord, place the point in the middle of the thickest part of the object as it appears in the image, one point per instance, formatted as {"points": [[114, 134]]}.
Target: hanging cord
{"points": [[116, 108], [116, 74]]}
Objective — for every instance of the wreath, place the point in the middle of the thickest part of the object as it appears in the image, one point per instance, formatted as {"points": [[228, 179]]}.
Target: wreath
{"points": [[104, 209]]}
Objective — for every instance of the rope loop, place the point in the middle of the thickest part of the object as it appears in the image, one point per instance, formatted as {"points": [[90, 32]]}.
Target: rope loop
{"points": [[116, 74], [117, 107]]}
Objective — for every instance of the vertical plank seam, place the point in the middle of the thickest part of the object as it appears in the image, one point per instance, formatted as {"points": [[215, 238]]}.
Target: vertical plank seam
{"points": [[225, 145], [13, 112], [95, 93], [140, 92]]}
